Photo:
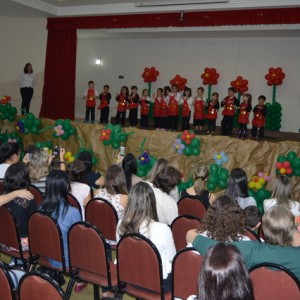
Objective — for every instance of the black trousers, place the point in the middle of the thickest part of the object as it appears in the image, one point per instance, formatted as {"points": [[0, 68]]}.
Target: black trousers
{"points": [[261, 131], [185, 124], [26, 94], [104, 115], [173, 122], [227, 125], [88, 111], [120, 116], [133, 113], [144, 121], [211, 125]]}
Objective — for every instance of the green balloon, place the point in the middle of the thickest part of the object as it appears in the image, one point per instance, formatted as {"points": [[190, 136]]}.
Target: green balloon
{"points": [[107, 142], [34, 130], [94, 160], [38, 145], [214, 169], [117, 128], [262, 194], [195, 143], [141, 173], [109, 126], [123, 137], [11, 118], [291, 155], [72, 131], [296, 162], [211, 186], [187, 150], [223, 174], [213, 178], [252, 193], [281, 158], [115, 145], [222, 184], [196, 151], [297, 172], [14, 111]]}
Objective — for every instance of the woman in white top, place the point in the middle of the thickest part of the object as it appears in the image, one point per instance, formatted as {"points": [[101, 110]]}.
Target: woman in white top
{"points": [[9, 154], [281, 195], [238, 188], [27, 81], [115, 190], [79, 188], [141, 217], [223, 222]]}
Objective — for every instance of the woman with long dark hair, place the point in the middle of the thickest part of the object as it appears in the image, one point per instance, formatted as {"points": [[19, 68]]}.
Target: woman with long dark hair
{"points": [[9, 154], [129, 166]]}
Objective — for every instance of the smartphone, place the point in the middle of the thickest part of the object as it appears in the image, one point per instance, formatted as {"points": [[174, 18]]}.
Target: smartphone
{"points": [[122, 151]]}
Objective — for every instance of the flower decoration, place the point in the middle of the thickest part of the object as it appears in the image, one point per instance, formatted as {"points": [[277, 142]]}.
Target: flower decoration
{"points": [[45, 144], [69, 157], [63, 129], [7, 112], [288, 165], [218, 177], [179, 146], [58, 130], [275, 76], [220, 158], [10, 140], [240, 84], [105, 134], [258, 181], [5, 99], [150, 74], [144, 158], [12, 137], [187, 136], [30, 124], [20, 127], [210, 76], [179, 81]]}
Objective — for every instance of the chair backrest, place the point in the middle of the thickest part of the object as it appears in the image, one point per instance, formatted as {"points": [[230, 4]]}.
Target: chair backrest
{"points": [[186, 268], [37, 286], [251, 234], [1, 185], [45, 238], [275, 283], [72, 200], [88, 252], [6, 284], [190, 206], [103, 215], [180, 226], [37, 194], [139, 263], [9, 233]]}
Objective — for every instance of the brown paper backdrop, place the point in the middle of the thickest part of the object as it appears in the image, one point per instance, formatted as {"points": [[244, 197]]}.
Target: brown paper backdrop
{"points": [[250, 155]]}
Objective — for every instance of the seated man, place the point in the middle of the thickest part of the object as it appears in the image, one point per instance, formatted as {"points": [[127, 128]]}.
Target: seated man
{"points": [[253, 252]]}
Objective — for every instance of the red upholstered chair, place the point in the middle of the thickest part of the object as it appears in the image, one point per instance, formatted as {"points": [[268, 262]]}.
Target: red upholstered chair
{"points": [[37, 194], [251, 234], [7, 289], [276, 283], [193, 207], [89, 257], [72, 200], [10, 236], [103, 215], [140, 268], [180, 226], [186, 269], [37, 286]]}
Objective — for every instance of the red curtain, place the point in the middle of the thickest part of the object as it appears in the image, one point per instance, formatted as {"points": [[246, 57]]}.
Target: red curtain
{"points": [[60, 71]]}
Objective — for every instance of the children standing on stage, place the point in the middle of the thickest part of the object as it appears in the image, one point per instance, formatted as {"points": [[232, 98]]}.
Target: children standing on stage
{"points": [[187, 104], [259, 120], [104, 97], [144, 102], [173, 108], [230, 103], [122, 100], [199, 110], [212, 113], [133, 104], [160, 108], [90, 95], [244, 111]]}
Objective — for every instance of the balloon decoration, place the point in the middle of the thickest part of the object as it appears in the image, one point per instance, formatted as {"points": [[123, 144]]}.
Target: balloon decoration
{"points": [[68, 157], [179, 146], [113, 135], [288, 165], [63, 129], [189, 141], [210, 77], [7, 112], [29, 124], [274, 77], [12, 137], [94, 159], [179, 81], [46, 144], [150, 75], [183, 185], [220, 158], [241, 85], [5, 99], [259, 196], [258, 181], [218, 178]]}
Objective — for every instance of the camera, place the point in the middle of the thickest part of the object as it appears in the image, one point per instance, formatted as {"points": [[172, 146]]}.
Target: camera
{"points": [[56, 151]]}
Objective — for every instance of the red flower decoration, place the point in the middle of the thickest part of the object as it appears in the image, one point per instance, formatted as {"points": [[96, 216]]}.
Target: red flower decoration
{"points": [[5, 99], [275, 76], [240, 85], [179, 81], [187, 136], [105, 134], [210, 76], [150, 74]]}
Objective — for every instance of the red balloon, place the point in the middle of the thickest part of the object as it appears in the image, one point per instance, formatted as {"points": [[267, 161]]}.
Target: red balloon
{"points": [[279, 165], [286, 164], [289, 171]]}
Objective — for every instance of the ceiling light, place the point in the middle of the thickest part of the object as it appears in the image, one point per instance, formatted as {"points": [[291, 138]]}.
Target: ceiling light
{"points": [[177, 2]]}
